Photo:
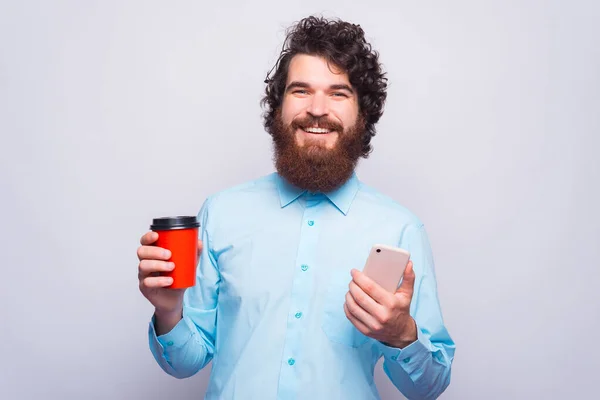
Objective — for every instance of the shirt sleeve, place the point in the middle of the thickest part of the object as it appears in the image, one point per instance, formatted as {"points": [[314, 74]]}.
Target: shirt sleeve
{"points": [[190, 345], [421, 370]]}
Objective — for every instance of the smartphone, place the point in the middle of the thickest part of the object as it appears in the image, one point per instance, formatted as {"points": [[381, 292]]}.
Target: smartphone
{"points": [[386, 265]]}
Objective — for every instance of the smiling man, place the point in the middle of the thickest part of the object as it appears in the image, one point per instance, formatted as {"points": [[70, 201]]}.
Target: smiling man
{"points": [[281, 306], [317, 129]]}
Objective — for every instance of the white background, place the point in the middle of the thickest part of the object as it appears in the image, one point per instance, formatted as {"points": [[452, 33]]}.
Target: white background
{"points": [[114, 112]]}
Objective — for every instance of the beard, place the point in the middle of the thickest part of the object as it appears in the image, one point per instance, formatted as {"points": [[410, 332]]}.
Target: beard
{"points": [[314, 167]]}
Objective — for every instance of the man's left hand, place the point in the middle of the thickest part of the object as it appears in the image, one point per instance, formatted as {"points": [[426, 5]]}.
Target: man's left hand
{"points": [[379, 314]]}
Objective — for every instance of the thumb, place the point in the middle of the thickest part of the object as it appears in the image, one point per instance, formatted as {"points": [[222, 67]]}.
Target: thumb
{"points": [[408, 281]]}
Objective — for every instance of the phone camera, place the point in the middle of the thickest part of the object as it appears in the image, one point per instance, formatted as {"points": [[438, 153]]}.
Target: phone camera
{"points": [[378, 250]]}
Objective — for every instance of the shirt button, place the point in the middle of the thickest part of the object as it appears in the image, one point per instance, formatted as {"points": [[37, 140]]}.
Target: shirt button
{"points": [[394, 358], [298, 315], [170, 343], [406, 360], [291, 361], [304, 267], [311, 222]]}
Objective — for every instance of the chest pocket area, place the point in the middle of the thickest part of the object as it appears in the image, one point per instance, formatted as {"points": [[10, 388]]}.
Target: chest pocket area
{"points": [[235, 261], [253, 270], [335, 324]]}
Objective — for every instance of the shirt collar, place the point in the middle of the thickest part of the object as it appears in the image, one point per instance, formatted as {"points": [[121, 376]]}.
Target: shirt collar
{"points": [[341, 197]]}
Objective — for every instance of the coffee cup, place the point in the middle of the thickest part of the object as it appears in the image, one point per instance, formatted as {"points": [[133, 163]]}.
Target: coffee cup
{"points": [[180, 236]]}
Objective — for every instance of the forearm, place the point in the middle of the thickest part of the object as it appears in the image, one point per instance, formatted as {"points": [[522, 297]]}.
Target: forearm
{"points": [[183, 343], [419, 371], [183, 350], [422, 369]]}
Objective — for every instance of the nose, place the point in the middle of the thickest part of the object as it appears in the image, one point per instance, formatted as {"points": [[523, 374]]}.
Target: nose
{"points": [[318, 105]]}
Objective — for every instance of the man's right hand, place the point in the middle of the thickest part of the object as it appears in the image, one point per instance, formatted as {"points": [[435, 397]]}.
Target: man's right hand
{"points": [[168, 303]]}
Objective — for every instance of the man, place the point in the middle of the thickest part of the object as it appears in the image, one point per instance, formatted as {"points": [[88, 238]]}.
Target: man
{"points": [[280, 305]]}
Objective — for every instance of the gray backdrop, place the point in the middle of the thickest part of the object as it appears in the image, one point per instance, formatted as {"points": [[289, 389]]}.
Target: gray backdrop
{"points": [[114, 112]]}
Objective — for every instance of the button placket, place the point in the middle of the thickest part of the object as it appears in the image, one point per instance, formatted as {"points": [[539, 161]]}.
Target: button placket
{"points": [[300, 297]]}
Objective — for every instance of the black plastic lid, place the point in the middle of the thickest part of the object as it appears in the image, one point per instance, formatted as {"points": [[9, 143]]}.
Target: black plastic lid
{"points": [[171, 223]]}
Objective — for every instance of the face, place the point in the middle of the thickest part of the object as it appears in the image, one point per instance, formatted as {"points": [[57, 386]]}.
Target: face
{"points": [[317, 131], [318, 102]]}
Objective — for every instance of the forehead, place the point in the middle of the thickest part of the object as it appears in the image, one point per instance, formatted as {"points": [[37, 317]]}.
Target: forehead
{"points": [[316, 71]]}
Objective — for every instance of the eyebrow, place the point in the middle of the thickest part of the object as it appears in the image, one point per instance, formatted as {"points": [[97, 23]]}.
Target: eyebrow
{"points": [[299, 84]]}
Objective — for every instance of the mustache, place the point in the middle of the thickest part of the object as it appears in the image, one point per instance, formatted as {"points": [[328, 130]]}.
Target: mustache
{"points": [[320, 122]]}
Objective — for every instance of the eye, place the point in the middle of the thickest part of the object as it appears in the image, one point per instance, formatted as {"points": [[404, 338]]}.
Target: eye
{"points": [[300, 91], [340, 94]]}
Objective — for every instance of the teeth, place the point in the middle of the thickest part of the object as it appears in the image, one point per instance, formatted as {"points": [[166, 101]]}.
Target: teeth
{"points": [[317, 130]]}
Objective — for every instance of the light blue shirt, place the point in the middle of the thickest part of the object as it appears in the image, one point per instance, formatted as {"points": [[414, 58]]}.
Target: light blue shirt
{"points": [[267, 308]]}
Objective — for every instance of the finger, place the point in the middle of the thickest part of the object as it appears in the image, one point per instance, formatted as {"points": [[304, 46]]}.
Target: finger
{"points": [[148, 267], [359, 325], [370, 287], [408, 281], [149, 238], [153, 282], [142, 275], [200, 246], [153, 253], [363, 300], [361, 314]]}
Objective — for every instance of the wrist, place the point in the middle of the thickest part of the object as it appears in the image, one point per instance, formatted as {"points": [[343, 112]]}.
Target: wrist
{"points": [[168, 314], [165, 321], [407, 336]]}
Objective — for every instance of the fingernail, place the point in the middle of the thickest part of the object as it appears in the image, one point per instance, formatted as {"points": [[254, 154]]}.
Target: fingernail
{"points": [[167, 254], [171, 266]]}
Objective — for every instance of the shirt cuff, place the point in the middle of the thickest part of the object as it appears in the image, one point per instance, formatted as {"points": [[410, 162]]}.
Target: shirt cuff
{"points": [[412, 357], [177, 337]]}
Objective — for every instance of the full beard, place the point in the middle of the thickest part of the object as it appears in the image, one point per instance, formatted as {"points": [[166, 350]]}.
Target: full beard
{"points": [[314, 167]]}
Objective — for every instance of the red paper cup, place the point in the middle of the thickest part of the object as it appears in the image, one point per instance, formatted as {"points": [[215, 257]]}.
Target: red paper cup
{"points": [[180, 236]]}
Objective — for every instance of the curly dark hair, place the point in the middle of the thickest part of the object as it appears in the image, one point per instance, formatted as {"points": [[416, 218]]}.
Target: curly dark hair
{"points": [[343, 45]]}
